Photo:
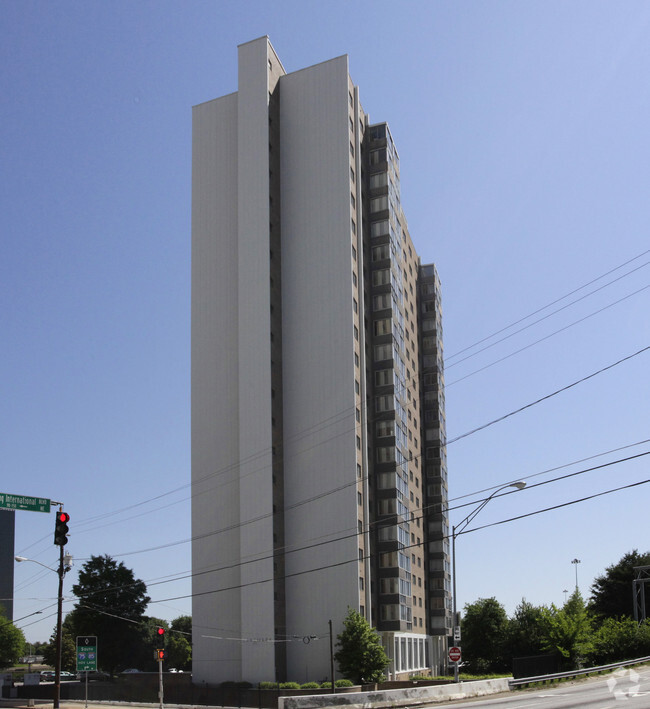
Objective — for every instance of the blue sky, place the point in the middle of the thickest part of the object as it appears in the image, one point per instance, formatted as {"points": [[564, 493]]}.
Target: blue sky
{"points": [[523, 136]]}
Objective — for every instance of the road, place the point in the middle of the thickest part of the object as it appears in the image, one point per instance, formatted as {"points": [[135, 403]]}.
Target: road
{"points": [[624, 689]]}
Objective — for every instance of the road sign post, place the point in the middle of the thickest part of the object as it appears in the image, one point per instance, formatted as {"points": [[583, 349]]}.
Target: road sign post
{"points": [[86, 656]]}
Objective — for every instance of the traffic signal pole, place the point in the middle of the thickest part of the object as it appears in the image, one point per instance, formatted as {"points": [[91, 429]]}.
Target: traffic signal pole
{"points": [[59, 624], [160, 682]]}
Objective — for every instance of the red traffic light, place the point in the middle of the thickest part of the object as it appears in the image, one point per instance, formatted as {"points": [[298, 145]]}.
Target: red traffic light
{"points": [[161, 631], [61, 528]]}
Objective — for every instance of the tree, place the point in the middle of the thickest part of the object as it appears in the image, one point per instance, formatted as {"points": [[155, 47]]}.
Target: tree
{"points": [[111, 606], [180, 643], [619, 639], [567, 630], [68, 649], [360, 657], [484, 628], [12, 641], [524, 632], [611, 593]]}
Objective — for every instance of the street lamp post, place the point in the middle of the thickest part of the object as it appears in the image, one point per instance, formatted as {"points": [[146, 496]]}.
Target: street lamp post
{"points": [[458, 529], [575, 562], [64, 566]]}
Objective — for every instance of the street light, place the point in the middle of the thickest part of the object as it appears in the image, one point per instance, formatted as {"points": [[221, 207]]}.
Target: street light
{"points": [[576, 562], [456, 530], [65, 564]]}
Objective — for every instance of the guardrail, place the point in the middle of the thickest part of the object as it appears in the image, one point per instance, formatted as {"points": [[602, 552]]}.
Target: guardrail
{"points": [[522, 681]]}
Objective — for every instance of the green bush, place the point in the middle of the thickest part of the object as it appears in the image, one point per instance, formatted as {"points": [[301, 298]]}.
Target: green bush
{"points": [[326, 685], [310, 685], [269, 685], [289, 685], [343, 683]]}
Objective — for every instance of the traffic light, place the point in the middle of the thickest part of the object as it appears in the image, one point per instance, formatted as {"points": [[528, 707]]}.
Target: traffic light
{"points": [[61, 528], [160, 637], [160, 654]]}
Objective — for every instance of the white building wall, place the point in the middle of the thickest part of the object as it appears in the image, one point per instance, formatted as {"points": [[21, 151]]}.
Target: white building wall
{"points": [[254, 336], [318, 361], [231, 381], [215, 390]]}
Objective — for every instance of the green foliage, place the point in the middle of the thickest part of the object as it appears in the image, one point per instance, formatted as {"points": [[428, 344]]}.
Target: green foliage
{"points": [[523, 636], [111, 606], [360, 657], [484, 629], [567, 631], [269, 685], [619, 639], [68, 650], [611, 593], [289, 685], [310, 685], [343, 683], [12, 641], [183, 624]]}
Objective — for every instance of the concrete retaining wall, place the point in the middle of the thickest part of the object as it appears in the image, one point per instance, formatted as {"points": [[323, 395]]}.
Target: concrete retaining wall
{"points": [[411, 697]]}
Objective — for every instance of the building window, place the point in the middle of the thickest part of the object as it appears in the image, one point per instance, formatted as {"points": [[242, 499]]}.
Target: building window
{"points": [[385, 429], [358, 443], [381, 301], [384, 377], [379, 179], [351, 149], [354, 252], [377, 156], [378, 204], [379, 228], [358, 468], [380, 253], [359, 499], [356, 333], [383, 326], [384, 403], [381, 277]]}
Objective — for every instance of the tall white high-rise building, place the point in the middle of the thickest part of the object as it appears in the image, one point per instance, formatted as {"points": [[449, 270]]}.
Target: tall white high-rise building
{"points": [[318, 432]]}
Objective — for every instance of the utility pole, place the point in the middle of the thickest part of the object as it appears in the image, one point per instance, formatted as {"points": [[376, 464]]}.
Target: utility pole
{"points": [[332, 657], [59, 619]]}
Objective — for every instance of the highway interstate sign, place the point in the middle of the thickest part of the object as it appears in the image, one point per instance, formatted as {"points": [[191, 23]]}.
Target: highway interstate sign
{"points": [[86, 653], [24, 502]]}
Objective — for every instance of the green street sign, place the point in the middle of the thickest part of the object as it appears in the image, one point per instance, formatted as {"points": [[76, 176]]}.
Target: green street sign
{"points": [[86, 653], [24, 502]]}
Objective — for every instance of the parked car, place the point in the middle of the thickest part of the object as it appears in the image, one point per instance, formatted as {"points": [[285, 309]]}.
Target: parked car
{"points": [[130, 671], [47, 676], [67, 676]]}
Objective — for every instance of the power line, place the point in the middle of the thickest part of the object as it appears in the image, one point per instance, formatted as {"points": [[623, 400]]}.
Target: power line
{"points": [[357, 559], [549, 305], [548, 396], [536, 322], [547, 337]]}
